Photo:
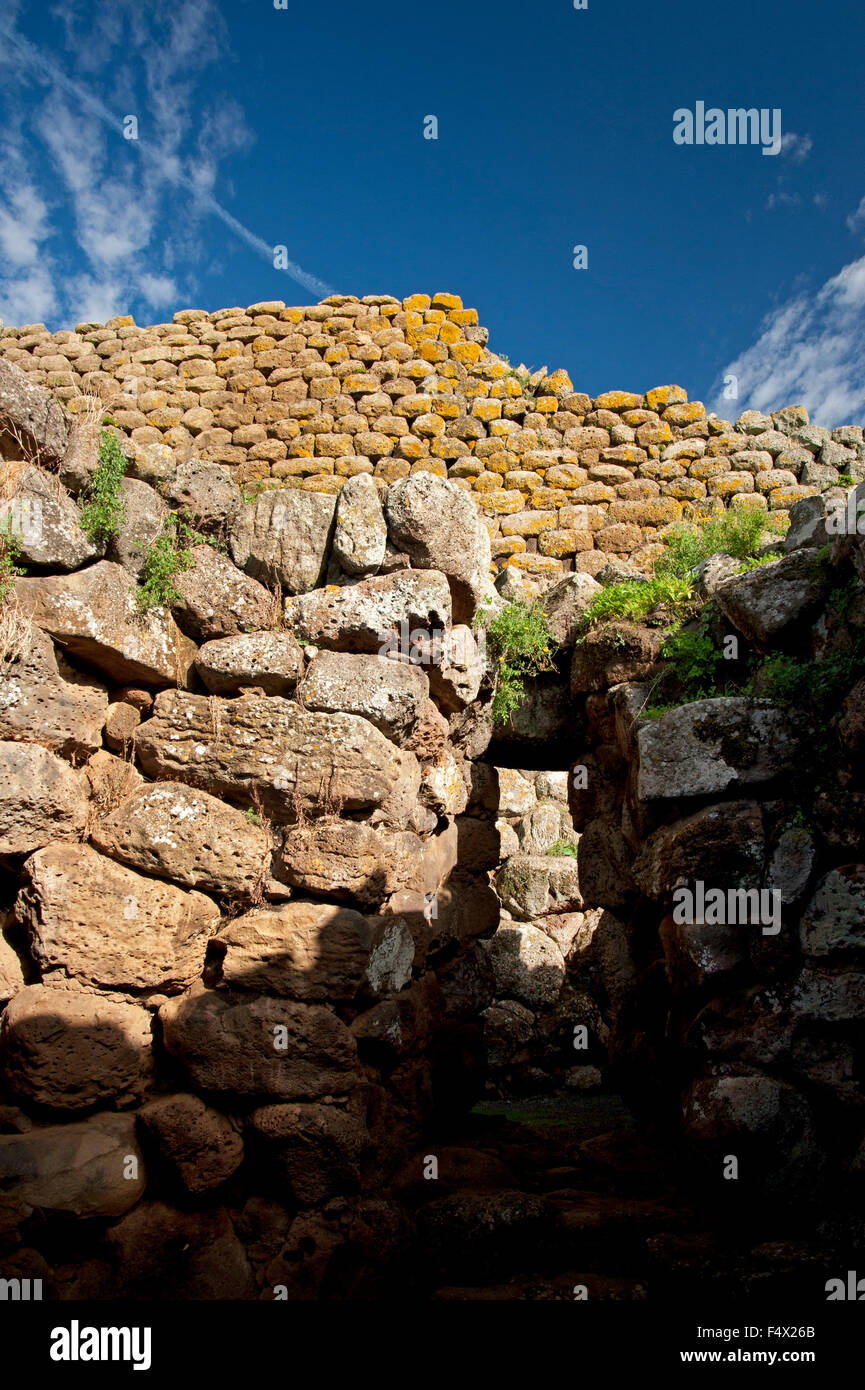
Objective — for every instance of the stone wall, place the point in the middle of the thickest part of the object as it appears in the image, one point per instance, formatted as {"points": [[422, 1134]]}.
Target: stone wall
{"points": [[268, 912], [308, 397]]}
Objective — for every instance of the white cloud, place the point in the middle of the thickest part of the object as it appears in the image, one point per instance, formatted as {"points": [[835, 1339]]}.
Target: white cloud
{"points": [[856, 219], [796, 147], [92, 300], [158, 290], [23, 223], [29, 297], [810, 350], [783, 199], [139, 208]]}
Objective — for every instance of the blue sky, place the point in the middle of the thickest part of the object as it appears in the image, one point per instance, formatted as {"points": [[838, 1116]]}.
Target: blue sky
{"points": [[303, 127]]}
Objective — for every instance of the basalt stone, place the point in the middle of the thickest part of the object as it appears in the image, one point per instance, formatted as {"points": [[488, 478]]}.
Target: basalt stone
{"points": [[173, 831], [218, 600], [766, 601], [711, 745], [43, 700], [75, 1170], [43, 519], [439, 527], [201, 1146], [69, 1051], [29, 416], [377, 615], [284, 538], [103, 926], [316, 952], [41, 798], [269, 661], [270, 749], [93, 614], [256, 1045], [392, 695]]}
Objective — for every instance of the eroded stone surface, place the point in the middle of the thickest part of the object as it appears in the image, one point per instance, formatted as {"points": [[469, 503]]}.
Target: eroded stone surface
{"points": [[283, 754]]}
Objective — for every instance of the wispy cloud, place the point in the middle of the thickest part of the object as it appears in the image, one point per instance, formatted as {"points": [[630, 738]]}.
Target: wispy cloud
{"points": [[856, 219], [121, 195], [810, 349], [783, 199], [795, 147]]}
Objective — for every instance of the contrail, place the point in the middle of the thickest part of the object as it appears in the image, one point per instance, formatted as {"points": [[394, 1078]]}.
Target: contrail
{"points": [[37, 59]]}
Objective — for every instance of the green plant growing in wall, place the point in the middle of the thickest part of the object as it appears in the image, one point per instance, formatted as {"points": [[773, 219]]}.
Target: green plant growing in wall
{"points": [[104, 511], [522, 646], [169, 555], [695, 659], [737, 532], [634, 599], [564, 847], [9, 570]]}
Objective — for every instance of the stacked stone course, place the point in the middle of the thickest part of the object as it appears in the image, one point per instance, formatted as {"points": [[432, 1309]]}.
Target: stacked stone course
{"points": [[307, 397]]}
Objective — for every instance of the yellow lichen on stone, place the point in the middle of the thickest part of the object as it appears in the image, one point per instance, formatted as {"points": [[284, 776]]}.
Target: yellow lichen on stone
{"points": [[618, 400], [416, 303], [558, 382], [684, 414], [464, 318], [410, 449], [351, 464], [781, 498], [322, 482], [537, 564], [662, 396], [503, 501], [529, 523], [449, 334], [428, 425], [430, 465], [507, 545], [466, 353], [542, 497], [487, 409], [393, 469], [442, 300], [561, 542]]}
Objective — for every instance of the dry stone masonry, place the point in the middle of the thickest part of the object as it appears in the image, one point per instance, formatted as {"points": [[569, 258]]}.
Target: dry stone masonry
{"points": [[309, 398], [279, 903]]}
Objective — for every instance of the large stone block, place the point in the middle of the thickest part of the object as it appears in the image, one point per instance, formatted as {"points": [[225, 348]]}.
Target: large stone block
{"points": [[284, 538], [284, 755], [375, 614], [709, 746], [316, 952], [80, 1170], [438, 526], [98, 923], [41, 799], [68, 1050], [177, 832], [259, 1046], [93, 614]]}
